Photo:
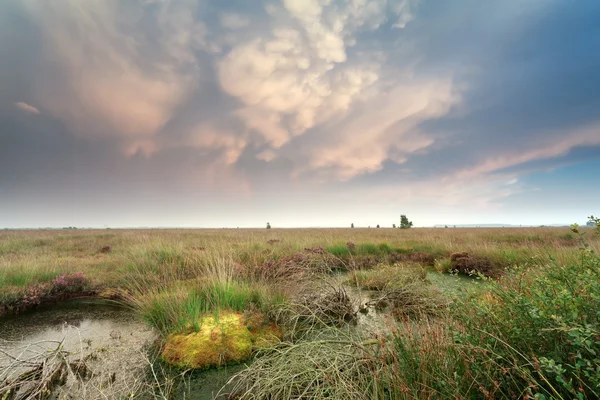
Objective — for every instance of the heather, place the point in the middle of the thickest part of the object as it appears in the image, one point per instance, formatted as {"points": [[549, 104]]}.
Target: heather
{"points": [[455, 313]]}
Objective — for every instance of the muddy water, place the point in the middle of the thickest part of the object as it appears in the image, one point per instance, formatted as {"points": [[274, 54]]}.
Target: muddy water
{"points": [[110, 339], [453, 285], [115, 345]]}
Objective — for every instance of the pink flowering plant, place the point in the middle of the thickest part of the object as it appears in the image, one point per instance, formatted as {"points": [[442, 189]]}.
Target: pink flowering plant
{"points": [[69, 283]]}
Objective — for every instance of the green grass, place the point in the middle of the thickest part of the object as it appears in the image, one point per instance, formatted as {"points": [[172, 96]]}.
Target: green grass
{"points": [[534, 331], [339, 250], [182, 308]]}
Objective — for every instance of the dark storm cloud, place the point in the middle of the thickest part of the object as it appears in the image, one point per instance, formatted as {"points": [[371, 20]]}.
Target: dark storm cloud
{"points": [[535, 84]]}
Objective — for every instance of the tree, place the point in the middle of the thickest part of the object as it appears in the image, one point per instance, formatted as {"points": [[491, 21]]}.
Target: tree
{"points": [[594, 223], [394, 226], [352, 225], [405, 223], [378, 225], [268, 225]]}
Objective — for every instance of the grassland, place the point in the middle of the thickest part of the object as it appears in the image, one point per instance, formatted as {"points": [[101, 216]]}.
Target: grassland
{"points": [[532, 330]]}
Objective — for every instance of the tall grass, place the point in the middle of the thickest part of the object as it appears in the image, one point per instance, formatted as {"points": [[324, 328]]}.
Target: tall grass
{"points": [[533, 333]]}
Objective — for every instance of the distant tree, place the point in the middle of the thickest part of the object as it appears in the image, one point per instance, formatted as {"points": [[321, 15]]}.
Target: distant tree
{"points": [[378, 225], [595, 223], [268, 225], [352, 225], [445, 226], [394, 226], [405, 223]]}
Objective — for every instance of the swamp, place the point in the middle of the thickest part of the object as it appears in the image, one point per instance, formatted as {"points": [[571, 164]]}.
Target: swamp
{"points": [[420, 313]]}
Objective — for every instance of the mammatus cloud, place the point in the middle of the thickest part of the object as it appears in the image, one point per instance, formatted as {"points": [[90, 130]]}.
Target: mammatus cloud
{"points": [[386, 129], [300, 76], [108, 75], [378, 99], [233, 21], [26, 107]]}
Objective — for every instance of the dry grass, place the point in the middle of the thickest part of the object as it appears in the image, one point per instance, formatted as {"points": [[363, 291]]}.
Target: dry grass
{"points": [[140, 259], [387, 276], [174, 276]]}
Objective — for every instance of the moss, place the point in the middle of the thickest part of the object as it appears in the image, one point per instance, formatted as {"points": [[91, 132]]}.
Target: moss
{"points": [[220, 341]]}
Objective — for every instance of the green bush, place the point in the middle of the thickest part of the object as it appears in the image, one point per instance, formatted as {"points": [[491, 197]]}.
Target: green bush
{"points": [[540, 328]]}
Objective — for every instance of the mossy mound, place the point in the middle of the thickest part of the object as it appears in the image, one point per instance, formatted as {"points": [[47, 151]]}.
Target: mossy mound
{"points": [[221, 341]]}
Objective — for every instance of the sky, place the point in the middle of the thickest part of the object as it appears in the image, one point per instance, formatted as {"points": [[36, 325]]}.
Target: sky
{"points": [[232, 113]]}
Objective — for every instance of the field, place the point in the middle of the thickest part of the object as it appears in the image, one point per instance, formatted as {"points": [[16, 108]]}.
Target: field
{"points": [[527, 329]]}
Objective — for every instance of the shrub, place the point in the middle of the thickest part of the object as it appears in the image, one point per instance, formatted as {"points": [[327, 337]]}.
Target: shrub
{"points": [[69, 283], [464, 263], [540, 328]]}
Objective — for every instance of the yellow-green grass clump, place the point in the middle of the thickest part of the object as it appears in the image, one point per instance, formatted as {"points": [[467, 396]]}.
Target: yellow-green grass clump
{"points": [[226, 339]]}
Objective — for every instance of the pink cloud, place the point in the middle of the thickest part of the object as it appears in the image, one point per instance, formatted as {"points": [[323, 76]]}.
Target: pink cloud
{"points": [[26, 107]]}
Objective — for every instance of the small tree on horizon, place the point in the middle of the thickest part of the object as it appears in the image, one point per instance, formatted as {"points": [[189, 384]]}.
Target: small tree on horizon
{"points": [[405, 223], [352, 225], [394, 226], [378, 225], [268, 225]]}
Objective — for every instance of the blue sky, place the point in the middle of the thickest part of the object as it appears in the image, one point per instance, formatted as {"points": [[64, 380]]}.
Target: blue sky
{"points": [[205, 113]]}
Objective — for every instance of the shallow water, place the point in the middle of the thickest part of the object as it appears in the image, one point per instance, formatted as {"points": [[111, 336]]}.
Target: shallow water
{"points": [[205, 385], [453, 284], [115, 343], [111, 340], [373, 322]]}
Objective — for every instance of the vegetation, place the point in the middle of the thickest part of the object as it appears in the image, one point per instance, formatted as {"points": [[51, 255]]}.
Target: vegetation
{"points": [[405, 223], [289, 298]]}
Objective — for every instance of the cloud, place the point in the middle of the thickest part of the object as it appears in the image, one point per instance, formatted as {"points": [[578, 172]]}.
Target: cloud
{"points": [[267, 155], [384, 129], [550, 147], [26, 107], [106, 74], [233, 21], [378, 100], [300, 76]]}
